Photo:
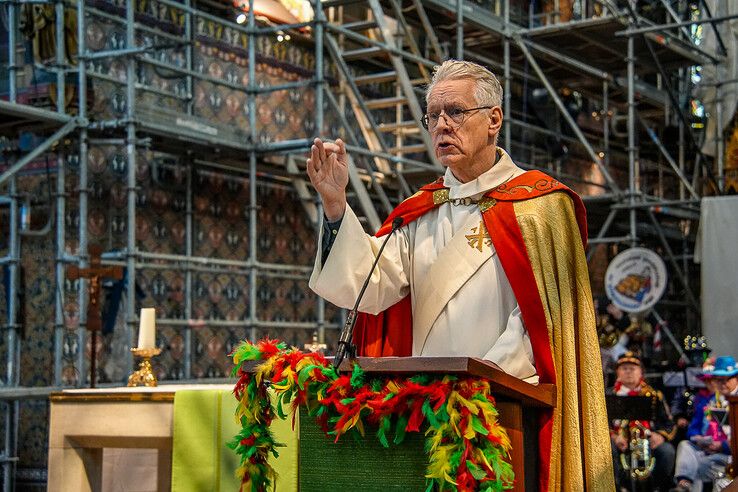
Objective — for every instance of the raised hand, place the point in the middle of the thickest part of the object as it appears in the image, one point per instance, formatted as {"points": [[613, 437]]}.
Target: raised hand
{"points": [[327, 168]]}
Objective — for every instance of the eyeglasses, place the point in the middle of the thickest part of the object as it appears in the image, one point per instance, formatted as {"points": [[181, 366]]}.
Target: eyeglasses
{"points": [[454, 113]]}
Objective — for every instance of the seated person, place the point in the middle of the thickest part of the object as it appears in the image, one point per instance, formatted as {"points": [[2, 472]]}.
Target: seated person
{"points": [[708, 444], [660, 431]]}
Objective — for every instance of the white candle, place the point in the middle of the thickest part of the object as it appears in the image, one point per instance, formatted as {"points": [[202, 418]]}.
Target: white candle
{"points": [[147, 328]]}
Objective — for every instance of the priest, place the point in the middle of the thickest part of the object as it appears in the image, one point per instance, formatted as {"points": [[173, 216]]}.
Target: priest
{"points": [[489, 263]]}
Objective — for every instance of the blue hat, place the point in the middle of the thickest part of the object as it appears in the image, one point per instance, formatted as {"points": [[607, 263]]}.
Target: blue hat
{"points": [[725, 366]]}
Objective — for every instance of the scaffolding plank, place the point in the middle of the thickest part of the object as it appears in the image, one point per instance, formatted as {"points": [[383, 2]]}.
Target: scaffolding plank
{"points": [[595, 41], [362, 53], [376, 78], [387, 102], [15, 115]]}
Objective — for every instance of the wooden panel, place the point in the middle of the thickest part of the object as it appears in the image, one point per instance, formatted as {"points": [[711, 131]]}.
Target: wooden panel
{"points": [[511, 418]]}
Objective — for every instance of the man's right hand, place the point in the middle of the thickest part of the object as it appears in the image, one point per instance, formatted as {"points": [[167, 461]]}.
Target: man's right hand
{"points": [[327, 168]]}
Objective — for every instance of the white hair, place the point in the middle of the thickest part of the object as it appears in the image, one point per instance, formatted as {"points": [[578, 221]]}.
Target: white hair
{"points": [[488, 90]]}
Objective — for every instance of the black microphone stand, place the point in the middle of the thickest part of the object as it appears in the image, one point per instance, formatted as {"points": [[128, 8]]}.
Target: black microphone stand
{"points": [[346, 346]]}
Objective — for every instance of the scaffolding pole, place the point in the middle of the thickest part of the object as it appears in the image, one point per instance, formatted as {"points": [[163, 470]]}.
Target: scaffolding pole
{"points": [[131, 192], [12, 63], [60, 56], [189, 239], [319, 20], [252, 173], [632, 149], [459, 29], [83, 245], [719, 128], [12, 376], [59, 326], [675, 266]]}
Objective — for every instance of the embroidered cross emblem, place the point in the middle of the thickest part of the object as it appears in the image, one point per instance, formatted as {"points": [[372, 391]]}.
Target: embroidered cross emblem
{"points": [[479, 237]]}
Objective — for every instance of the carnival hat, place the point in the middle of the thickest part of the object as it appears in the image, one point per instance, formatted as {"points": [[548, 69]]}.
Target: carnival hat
{"points": [[629, 358], [725, 366]]}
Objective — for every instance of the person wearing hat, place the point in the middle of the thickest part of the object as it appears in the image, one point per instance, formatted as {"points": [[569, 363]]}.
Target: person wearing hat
{"points": [[708, 446], [660, 431], [701, 399]]}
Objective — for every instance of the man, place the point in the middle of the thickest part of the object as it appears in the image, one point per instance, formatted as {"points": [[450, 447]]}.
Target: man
{"points": [[708, 447], [518, 296], [659, 431]]}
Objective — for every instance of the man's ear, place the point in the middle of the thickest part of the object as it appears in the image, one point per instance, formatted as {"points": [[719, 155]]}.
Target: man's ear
{"points": [[495, 121]]}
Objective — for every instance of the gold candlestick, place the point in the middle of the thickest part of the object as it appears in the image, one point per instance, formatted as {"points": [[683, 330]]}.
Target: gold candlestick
{"points": [[144, 376]]}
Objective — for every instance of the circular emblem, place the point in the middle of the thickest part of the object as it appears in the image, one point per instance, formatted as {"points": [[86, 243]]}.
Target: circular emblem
{"points": [[636, 280]]}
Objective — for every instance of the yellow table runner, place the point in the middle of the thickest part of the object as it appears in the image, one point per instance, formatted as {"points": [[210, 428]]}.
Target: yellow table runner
{"points": [[203, 422]]}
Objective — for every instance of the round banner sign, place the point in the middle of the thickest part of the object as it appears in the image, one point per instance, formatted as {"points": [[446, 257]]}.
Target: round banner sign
{"points": [[636, 280]]}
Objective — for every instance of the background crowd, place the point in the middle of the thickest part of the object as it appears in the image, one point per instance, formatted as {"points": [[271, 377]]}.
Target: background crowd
{"points": [[675, 435]]}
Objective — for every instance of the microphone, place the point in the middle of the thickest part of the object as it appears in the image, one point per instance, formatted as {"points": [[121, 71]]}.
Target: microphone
{"points": [[345, 342]]}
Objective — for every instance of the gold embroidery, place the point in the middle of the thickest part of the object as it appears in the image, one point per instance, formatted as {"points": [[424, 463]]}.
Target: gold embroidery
{"points": [[486, 203], [440, 196], [540, 185], [479, 237], [514, 189]]}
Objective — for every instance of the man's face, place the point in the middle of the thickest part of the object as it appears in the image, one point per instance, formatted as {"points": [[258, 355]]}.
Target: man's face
{"points": [[456, 146], [629, 374], [725, 385]]}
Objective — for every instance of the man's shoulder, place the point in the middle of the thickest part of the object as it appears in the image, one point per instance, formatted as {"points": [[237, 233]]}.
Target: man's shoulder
{"points": [[413, 207], [420, 196], [555, 211]]}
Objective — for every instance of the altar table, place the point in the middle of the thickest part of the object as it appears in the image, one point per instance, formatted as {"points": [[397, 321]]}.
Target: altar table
{"points": [[88, 428]]}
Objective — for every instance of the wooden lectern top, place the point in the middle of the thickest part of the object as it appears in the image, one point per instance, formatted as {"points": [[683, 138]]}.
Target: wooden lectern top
{"points": [[501, 383]]}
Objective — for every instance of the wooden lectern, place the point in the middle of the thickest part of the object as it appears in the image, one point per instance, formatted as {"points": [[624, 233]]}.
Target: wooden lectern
{"points": [[353, 464]]}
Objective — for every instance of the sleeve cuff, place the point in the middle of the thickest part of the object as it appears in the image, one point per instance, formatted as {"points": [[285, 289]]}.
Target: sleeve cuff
{"points": [[330, 231]]}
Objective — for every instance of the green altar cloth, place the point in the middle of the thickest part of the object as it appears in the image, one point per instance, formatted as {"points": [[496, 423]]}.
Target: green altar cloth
{"points": [[203, 422]]}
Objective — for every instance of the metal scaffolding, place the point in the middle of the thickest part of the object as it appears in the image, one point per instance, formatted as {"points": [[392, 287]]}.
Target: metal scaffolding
{"points": [[570, 81]]}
